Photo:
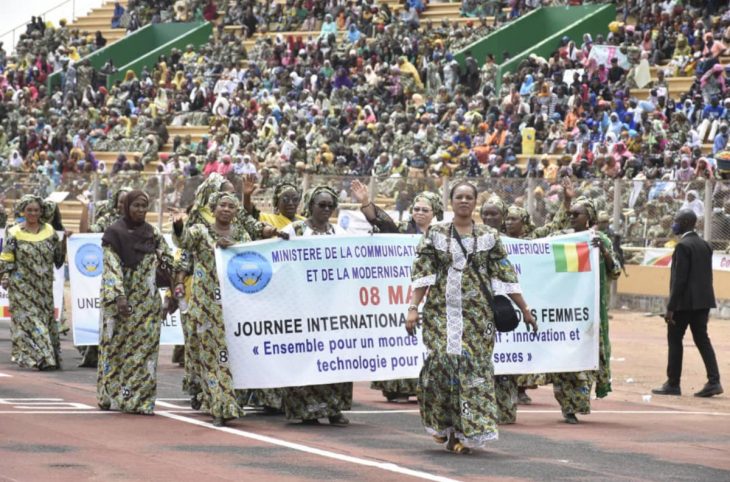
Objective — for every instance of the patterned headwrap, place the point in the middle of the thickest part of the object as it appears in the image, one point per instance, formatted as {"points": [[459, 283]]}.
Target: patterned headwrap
{"points": [[524, 216], [212, 184], [434, 200], [200, 213], [29, 199], [217, 197], [281, 189], [312, 193], [497, 202], [589, 207], [48, 211], [110, 207]]}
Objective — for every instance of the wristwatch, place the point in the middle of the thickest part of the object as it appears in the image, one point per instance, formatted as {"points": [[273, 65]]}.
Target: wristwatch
{"points": [[413, 308]]}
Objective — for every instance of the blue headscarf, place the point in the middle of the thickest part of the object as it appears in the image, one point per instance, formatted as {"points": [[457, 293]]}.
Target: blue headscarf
{"points": [[526, 88]]}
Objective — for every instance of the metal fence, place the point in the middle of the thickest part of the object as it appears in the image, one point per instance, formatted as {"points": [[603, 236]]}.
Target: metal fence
{"points": [[640, 211]]}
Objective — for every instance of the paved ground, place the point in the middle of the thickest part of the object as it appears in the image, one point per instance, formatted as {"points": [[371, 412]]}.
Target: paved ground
{"points": [[51, 430]]}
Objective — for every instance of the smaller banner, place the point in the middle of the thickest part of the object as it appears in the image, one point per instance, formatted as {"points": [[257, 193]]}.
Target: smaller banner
{"points": [[662, 258], [86, 265], [58, 281]]}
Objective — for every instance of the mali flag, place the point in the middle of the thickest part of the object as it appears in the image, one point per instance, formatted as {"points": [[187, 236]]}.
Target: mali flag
{"points": [[572, 257]]}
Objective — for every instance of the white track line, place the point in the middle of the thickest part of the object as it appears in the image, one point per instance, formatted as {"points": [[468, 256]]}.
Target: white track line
{"points": [[51, 412], [5, 375], [85, 412], [160, 403], [621, 412], [638, 412], [390, 467], [365, 412]]}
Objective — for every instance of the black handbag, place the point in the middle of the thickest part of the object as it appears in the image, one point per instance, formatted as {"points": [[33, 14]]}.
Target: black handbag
{"points": [[505, 316]]}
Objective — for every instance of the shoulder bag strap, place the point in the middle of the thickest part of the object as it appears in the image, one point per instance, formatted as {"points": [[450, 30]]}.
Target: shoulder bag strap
{"points": [[469, 260]]}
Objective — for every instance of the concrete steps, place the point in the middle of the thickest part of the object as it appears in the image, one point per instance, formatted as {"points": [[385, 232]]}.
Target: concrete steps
{"points": [[100, 19]]}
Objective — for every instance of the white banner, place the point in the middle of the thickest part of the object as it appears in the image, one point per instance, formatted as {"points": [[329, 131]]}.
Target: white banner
{"points": [[662, 258], [604, 53], [332, 309], [58, 282], [85, 269], [354, 221]]}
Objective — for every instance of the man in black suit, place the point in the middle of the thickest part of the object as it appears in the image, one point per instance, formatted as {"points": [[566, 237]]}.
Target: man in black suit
{"points": [[690, 299]]}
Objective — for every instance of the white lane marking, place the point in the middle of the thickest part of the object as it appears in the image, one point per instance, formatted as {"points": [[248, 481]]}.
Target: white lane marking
{"points": [[638, 412], [85, 412], [15, 400], [51, 412], [43, 404], [160, 403], [390, 467], [612, 412], [380, 411], [5, 375]]}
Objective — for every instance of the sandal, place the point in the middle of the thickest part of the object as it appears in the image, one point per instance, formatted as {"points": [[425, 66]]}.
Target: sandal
{"points": [[457, 447], [440, 439]]}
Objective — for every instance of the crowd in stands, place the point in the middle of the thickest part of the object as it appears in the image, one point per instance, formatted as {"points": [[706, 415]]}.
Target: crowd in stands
{"points": [[377, 91]]}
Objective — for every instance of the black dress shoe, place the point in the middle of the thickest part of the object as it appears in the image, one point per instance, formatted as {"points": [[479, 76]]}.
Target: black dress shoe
{"points": [[667, 389], [709, 390]]}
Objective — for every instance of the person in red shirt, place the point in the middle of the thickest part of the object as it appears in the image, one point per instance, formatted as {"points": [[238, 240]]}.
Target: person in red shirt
{"points": [[211, 166]]}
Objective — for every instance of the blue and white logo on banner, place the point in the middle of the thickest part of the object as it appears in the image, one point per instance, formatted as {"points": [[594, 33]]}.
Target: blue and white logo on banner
{"points": [[89, 259], [249, 272]]}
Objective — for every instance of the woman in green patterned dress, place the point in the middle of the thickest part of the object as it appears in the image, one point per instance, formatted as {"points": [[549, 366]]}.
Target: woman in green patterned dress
{"points": [[573, 390], [31, 251], [425, 207], [104, 218], [456, 389], [200, 213], [205, 316], [514, 221], [310, 403], [106, 214], [132, 310]]}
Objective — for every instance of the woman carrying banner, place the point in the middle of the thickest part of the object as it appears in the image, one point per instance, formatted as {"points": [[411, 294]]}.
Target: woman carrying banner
{"points": [[107, 215], [31, 251], [310, 403], [205, 316], [200, 213], [515, 222], [134, 255], [425, 207], [573, 390], [456, 389]]}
